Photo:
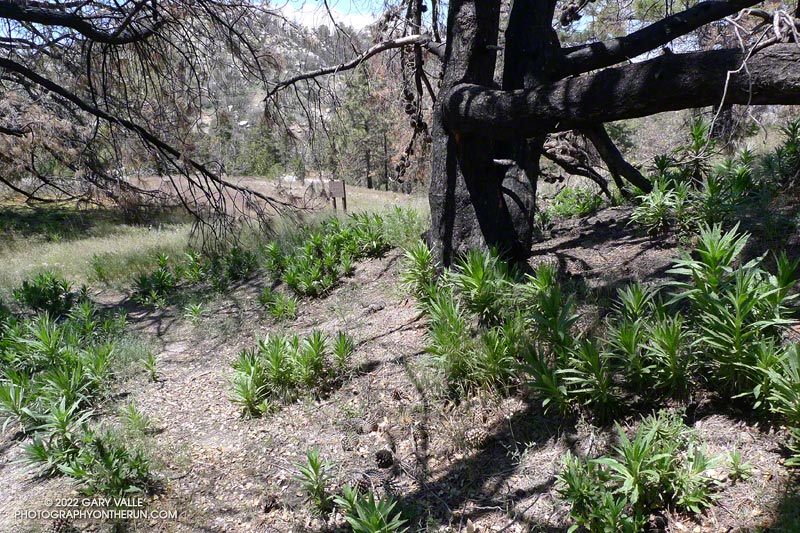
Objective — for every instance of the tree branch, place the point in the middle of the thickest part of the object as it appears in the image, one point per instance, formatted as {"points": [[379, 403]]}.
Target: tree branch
{"points": [[353, 63], [145, 135], [580, 59], [14, 132], [25, 12], [667, 83], [573, 166], [436, 48], [613, 159], [29, 196]]}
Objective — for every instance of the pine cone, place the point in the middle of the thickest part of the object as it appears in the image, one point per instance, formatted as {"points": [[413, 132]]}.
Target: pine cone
{"points": [[364, 484], [384, 458], [391, 487], [476, 437], [349, 442]]}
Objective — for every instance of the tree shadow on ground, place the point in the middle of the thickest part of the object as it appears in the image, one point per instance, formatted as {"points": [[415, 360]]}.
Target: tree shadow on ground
{"points": [[788, 511], [479, 483], [55, 222]]}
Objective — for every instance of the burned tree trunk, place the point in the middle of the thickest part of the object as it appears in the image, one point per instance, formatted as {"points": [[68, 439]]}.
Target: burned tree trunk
{"points": [[467, 205], [488, 140]]}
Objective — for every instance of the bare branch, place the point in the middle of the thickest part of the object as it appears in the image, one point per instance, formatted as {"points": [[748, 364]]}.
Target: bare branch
{"points": [[353, 63], [24, 12], [143, 133], [613, 159], [558, 151], [579, 59], [436, 48], [14, 132]]}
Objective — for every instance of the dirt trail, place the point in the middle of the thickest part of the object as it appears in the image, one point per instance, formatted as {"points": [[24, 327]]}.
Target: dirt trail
{"points": [[224, 465]]}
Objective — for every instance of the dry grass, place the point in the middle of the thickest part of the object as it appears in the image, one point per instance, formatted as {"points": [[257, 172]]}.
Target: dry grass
{"points": [[32, 245], [123, 251]]}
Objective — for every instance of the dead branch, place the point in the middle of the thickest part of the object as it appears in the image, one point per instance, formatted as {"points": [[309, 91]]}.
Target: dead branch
{"points": [[612, 157], [353, 63], [583, 58], [51, 16]]}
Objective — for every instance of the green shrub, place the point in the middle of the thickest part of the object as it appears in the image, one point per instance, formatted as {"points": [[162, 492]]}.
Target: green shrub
{"points": [[482, 280], [309, 360], [783, 165], [152, 289], [496, 358], [665, 207], [668, 356], [238, 264], [662, 465], [280, 367], [738, 468], [135, 420], [626, 340], [418, 274], [315, 476], [368, 232], [784, 394], [576, 201], [274, 259], [589, 377], [375, 516], [52, 375], [593, 506], [155, 288], [58, 433], [312, 260], [343, 347], [280, 306], [403, 227], [736, 308], [46, 292], [150, 365], [250, 387], [194, 312], [546, 380], [696, 153], [553, 318], [450, 341], [689, 191], [105, 466], [193, 269]]}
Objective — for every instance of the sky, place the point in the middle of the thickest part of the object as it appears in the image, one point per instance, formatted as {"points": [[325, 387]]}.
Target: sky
{"points": [[312, 13]]}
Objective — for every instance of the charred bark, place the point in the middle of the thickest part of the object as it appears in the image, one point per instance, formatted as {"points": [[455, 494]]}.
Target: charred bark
{"points": [[667, 83], [467, 205]]}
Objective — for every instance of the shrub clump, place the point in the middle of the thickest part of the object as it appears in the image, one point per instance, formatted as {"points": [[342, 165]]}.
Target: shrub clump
{"points": [[280, 367], [662, 466], [53, 374], [46, 292]]}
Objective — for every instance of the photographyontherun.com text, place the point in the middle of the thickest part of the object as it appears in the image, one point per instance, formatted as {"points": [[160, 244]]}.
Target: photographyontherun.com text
{"points": [[95, 509]]}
